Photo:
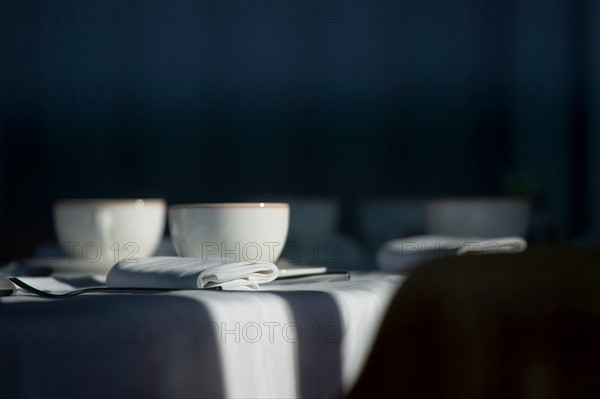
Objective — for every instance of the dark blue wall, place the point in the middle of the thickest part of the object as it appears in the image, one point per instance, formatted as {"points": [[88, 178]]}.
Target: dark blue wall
{"points": [[217, 101]]}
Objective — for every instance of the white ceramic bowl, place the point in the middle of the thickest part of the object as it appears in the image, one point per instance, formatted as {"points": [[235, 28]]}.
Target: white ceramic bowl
{"points": [[106, 231], [230, 231], [478, 217]]}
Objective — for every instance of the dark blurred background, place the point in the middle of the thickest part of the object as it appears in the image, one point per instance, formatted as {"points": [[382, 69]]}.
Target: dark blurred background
{"points": [[200, 101]]}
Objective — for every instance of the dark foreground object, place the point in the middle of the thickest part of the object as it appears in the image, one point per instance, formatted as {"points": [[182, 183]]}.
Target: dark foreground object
{"points": [[511, 326]]}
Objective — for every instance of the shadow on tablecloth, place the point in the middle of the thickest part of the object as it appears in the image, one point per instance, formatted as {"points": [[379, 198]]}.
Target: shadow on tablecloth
{"points": [[319, 345], [108, 346]]}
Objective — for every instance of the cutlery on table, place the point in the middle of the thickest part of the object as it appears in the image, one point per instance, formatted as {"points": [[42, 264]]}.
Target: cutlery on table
{"points": [[14, 281]]}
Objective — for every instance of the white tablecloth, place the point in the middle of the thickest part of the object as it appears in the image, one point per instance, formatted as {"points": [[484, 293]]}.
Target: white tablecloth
{"points": [[300, 340]]}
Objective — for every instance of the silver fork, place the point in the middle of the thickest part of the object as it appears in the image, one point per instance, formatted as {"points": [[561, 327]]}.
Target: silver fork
{"points": [[137, 290]]}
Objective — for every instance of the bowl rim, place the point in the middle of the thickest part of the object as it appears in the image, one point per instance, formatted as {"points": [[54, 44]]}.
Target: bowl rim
{"points": [[231, 205], [476, 199], [83, 202]]}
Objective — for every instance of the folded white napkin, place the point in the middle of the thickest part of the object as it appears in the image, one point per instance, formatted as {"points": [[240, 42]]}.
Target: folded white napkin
{"points": [[189, 273], [404, 254]]}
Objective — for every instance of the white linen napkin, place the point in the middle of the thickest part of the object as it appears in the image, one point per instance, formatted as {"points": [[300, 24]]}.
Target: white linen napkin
{"points": [[404, 254], [190, 273]]}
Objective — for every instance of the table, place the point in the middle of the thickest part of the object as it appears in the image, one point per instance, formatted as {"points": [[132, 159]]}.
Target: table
{"points": [[285, 340]]}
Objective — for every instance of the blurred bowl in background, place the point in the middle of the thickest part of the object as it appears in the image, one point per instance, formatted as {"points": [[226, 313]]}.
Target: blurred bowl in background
{"points": [[313, 219], [384, 219], [478, 217]]}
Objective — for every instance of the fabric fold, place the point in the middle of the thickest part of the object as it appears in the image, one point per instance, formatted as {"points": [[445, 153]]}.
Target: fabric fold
{"points": [[190, 273], [404, 254]]}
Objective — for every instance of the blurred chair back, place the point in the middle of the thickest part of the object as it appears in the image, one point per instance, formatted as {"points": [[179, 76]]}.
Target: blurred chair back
{"points": [[492, 326]]}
